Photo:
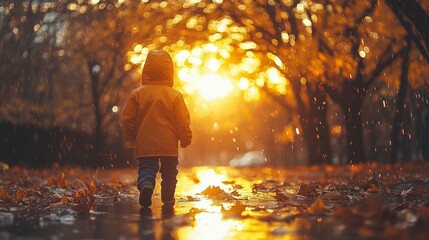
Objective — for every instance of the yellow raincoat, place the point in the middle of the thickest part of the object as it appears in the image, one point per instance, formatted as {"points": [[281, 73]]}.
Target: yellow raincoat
{"points": [[155, 116]]}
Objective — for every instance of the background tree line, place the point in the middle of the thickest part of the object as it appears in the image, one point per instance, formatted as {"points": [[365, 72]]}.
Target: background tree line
{"points": [[357, 74]]}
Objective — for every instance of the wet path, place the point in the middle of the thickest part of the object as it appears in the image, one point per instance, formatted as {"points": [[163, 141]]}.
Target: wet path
{"points": [[250, 204]]}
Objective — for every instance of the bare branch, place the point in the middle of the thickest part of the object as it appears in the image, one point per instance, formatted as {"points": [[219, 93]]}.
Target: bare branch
{"points": [[386, 59]]}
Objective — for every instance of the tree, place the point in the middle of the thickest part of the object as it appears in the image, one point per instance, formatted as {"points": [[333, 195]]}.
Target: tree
{"points": [[270, 31], [357, 65], [29, 36], [399, 108], [321, 48], [415, 21]]}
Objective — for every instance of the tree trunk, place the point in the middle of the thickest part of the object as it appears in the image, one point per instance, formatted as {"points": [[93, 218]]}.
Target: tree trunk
{"points": [[353, 124], [425, 137], [316, 130], [314, 126], [97, 137], [317, 140], [399, 109], [96, 106]]}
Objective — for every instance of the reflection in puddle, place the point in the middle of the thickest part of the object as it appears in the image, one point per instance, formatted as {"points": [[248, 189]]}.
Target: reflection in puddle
{"points": [[210, 225], [206, 178], [207, 205]]}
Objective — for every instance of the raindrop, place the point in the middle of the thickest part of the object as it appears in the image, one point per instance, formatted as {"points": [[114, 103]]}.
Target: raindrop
{"points": [[96, 69], [115, 109]]}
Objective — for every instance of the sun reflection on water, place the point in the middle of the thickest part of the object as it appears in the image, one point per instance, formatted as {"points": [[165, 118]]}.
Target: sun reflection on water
{"points": [[206, 178], [210, 216], [211, 225]]}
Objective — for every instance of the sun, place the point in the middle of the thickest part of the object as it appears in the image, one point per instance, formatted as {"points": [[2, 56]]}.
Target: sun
{"points": [[211, 86], [206, 84]]}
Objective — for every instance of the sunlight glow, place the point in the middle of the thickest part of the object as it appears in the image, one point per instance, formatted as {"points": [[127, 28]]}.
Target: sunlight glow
{"points": [[307, 22], [199, 72], [252, 94], [243, 84], [209, 225], [213, 64], [212, 86], [276, 60], [248, 45], [208, 177], [206, 72], [93, 2]]}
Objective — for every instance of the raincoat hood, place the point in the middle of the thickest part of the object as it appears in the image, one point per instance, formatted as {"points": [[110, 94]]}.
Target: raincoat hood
{"points": [[158, 69]]}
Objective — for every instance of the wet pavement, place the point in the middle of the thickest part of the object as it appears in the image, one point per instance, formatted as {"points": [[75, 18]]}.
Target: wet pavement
{"points": [[261, 203]]}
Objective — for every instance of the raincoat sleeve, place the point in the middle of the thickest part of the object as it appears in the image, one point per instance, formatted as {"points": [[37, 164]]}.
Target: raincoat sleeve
{"points": [[129, 118], [182, 120]]}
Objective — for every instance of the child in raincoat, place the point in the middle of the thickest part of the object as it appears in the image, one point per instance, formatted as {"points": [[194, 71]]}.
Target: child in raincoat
{"points": [[154, 120]]}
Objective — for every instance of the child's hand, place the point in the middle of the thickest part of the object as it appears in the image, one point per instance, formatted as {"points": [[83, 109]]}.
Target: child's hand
{"points": [[183, 145]]}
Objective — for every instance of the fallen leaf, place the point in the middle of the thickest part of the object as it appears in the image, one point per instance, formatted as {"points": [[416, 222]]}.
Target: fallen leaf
{"points": [[266, 186], [191, 198], [4, 195], [60, 181], [65, 200], [213, 191], [331, 195], [234, 211], [20, 195], [235, 193], [82, 201], [281, 197], [307, 190], [317, 207], [373, 189], [228, 182], [91, 186]]}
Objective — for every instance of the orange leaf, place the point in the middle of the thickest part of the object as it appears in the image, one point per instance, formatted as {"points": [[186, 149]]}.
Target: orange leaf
{"points": [[20, 195], [373, 189], [191, 198], [65, 200], [235, 210], [235, 193], [49, 181], [91, 186], [334, 196], [3, 194], [318, 206], [60, 182], [213, 191], [307, 190], [281, 197]]}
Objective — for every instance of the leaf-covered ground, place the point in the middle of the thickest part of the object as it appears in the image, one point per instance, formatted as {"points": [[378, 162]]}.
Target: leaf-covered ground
{"points": [[369, 201]]}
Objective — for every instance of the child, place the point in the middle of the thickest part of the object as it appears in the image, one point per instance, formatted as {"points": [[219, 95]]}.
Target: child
{"points": [[154, 119]]}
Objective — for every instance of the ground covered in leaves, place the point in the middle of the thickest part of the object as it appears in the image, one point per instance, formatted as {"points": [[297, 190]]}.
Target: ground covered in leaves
{"points": [[367, 201]]}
